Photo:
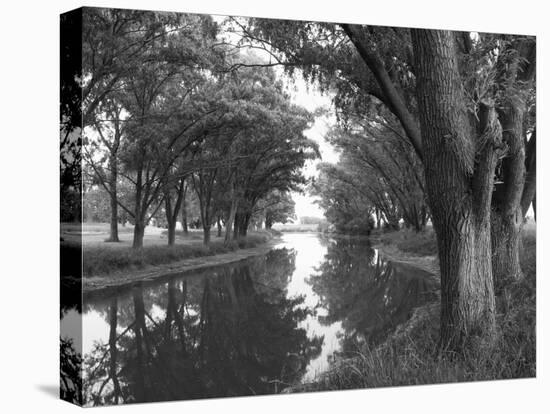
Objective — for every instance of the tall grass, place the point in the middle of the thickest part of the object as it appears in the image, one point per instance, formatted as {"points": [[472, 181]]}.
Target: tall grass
{"points": [[102, 260], [409, 356]]}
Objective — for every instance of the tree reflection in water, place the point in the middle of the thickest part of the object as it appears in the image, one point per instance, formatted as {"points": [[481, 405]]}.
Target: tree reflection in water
{"points": [[233, 332], [369, 295], [70, 357], [237, 329]]}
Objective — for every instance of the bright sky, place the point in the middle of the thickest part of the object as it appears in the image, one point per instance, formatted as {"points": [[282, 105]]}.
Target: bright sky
{"points": [[311, 99]]}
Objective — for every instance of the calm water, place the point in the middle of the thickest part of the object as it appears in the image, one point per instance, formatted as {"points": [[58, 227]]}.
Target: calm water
{"points": [[249, 328]]}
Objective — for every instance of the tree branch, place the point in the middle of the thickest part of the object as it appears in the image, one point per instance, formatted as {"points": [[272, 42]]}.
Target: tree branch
{"points": [[393, 98]]}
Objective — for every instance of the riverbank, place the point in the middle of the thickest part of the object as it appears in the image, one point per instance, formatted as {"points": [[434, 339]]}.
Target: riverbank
{"points": [[411, 248], [408, 356], [179, 267], [107, 265]]}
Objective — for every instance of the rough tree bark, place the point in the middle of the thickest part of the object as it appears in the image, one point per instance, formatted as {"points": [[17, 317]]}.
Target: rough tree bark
{"points": [[139, 233], [513, 193], [184, 225], [507, 217], [206, 232], [139, 221], [139, 225], [203, 184], [169, 220], [113, 165], [464, 229], [232, 212], [112, 181], [172, 211], [230, 221], [459, 191]]}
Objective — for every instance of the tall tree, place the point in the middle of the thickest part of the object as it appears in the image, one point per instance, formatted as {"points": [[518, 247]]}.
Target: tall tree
{"points": [[461, 159], [153, 62], [110, 132], [277, 207], [174, 198], [349, 201], [377, 160], [516, 171], [460, 70]]}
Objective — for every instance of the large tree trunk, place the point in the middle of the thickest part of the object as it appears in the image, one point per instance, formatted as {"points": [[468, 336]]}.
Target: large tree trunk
{"points": [[467, 294], [507, 217], [229, 223], [206, 225], [139, 233], [170, 219], [230, 220], [139, 219], [171, 233], [113, 232], [506, 246], [172, 212], [206, 234], [459, 193], [113, 236], [184, 225], [518, 173]]}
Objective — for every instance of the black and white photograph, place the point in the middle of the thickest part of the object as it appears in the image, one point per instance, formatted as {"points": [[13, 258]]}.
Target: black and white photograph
{"points": [[264, 206], [280, 206]]}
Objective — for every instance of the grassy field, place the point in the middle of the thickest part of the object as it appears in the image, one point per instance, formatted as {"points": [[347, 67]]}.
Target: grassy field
{"points": [[408, 357], [101, 258]]}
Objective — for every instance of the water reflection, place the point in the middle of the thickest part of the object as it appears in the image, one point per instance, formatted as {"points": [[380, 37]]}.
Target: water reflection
{"points": [[224, 334], [367, 295], [243, 329], [71, 323]]}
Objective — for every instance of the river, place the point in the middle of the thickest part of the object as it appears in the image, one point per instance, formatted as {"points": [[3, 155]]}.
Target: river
{"points": [[252, 327]]}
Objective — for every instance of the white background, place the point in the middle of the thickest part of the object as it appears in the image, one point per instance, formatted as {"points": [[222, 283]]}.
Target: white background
{"points": [[29, 205]]}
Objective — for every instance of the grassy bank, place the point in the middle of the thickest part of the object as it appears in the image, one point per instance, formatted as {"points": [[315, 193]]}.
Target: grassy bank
{"points": [[408, 357], [106, 259], [409, 241]]}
